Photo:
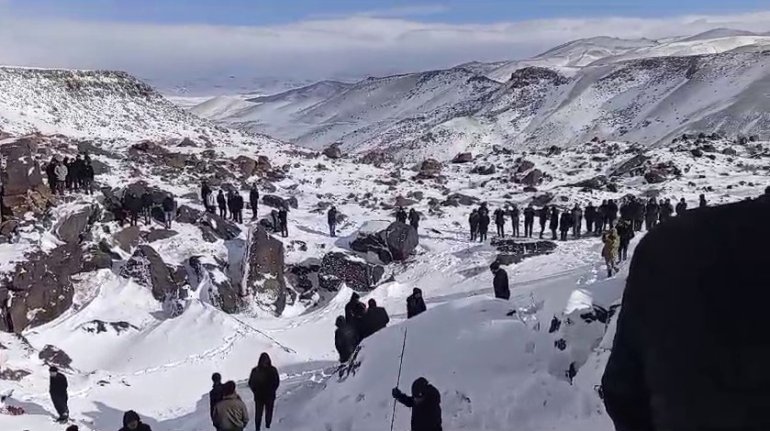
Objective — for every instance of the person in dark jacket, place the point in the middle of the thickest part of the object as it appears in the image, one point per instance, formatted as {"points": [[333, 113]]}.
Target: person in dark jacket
{"points": [[682, 359], [50, 173], [565, 224], [483, 210], [681, 207], [275, 221], [666, 211], [612, 212], [483, 225], [554, 222], [500, 283], [626, 234], [415, 304], [500, 222], [375, 318], [76, 173], [331, 218], [514, 214], [414, 219], [58, 390], [283, 221], [529, 220], [88, 177], [590, 217], [425, 403], [577, 221], [169, 210], [602, 217], [473, 221], [702, 202], [231, 413], [222, 204], [354, 313], [543, 217], [132, 422], [133, 205], [651, 213], [264, 382], [72, 428], [254, 202], [205, 192], [147, 204], [237, 207], [231, 204], [215, 394], [346, 339], [401, 215]]}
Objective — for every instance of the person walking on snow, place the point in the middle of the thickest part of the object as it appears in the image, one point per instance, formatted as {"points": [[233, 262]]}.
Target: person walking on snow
{"points": [[500, 283], [231, 414], [473, 221], [132, 422], [58, 390], [414, 219], [169, 210], [610, 250], [331, 218], [254, 201], [264, 382], [354, 312], [346, 339], [500, 222], [529, 220], [222, 204], [425, 403], [215, 395], [415, 304], [514, 213], [375, 318]]}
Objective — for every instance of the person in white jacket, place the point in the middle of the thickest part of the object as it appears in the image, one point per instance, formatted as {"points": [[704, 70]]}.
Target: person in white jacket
{"points": [[61, 172]]}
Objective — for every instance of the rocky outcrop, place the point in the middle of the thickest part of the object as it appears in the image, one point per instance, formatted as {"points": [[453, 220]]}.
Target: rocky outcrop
{"points": [[263, 271], [631, 167], [524, 166], [71, 227], [533, 178], [596, 183], [212, 226], [100, 327], [333, 151], [463, 158], [457, 199], [147, 268], [55, 357], [338, 268], [128, 238], [222, 293], [158, 235], [430, 168], [514, 251], [23, 188], [484, 170], [279, 202], [386, 242]]}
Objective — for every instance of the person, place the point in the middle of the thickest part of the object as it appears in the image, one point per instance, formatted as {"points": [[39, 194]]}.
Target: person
{"points": [[612, 213], [554, 221], [147, 205], [238, 207], [565, 224], [331, 218], [211, 203], [681, 207], [625, 235], [61, 171], [529, 220], [230, 199], [205, 193], [222, 204], [264, 382], [425, 403], [514, 213], [50, 172], [577, 221], [283, 221], [276, 222], [637, 214], [169, 210], [500, 282], [483, 225], [590, 217], [88, 176], [483, 210], [375, 318], [354, 313], [543, 216], [473, 221], [666, 211], [651, 214], [500, 222], [79, 173], [683, 358], [230, 414], [132, 422], [58, 390], [401, 215], [603, 217], [415, 303], [215, 395], [702, 202], [610, 250], [254, 201], [132, 204], [414, 218], [346, 339]]}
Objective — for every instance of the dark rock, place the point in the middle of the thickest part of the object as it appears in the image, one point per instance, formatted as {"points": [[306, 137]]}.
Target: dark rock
{"points": [[264, 270], [404, 202], [514, 251], [484, 170], [530, 189], [542, 200], [8, 374], [159, 234], [222, 293], [612, 187], [23, 188], [338, 268], [128, 238], [376, 158], [596, 183], [457, 199], [397, 241], [333, 151], [95, 259], [463, 158], [71, 227], [147, 268], [100, 326], [402, 240], [218, 226], [631, 167], [524, 166], [186, 214], [245, 165], [278, 202], [654, 177], [730, 151], [304, 277], [430, 168], [54, 357], [697, 152], [534, 178]]}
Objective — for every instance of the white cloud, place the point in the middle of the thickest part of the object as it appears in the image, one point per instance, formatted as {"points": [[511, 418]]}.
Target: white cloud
{"points": [[353, 46]]}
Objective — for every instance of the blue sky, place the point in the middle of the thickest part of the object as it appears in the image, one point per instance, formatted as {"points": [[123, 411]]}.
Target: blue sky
{"points": [[269, 12]]}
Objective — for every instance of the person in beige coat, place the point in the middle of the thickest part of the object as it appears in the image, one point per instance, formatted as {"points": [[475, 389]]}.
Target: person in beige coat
{"points": [[611, 242], [230, 414]]}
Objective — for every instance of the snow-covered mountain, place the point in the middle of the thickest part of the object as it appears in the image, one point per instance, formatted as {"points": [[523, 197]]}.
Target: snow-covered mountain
{"points": [[636, 90]]}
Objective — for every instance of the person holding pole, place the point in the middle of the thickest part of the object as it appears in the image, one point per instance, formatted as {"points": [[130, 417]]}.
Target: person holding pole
{"points": [[425, 403]]}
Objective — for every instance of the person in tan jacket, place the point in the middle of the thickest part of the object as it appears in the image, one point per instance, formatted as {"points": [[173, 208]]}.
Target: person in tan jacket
{"points": [[611, 242], [230, 414]]}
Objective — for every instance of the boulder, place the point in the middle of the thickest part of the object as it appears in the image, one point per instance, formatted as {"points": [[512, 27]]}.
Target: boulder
{"points": [[159, 234], [730, 151], [631, 167], [542, 200], [72, 226], [356, 273], [147, 268], [304, 277], [222, 293], [402, 240], [457, 199], [128, 238], [533, 178], [263, 268], [212, 226], [388, 242], [95, 259], [524, 166], [8, 230], [596, 183], [333, 151], [52, 356], [278, 202], [376, 158], [463, 158], [245, 165], [430, 168], [514, 251], [404, 202], [23, 188], [697, 152], [654, 177], [483, 170]]}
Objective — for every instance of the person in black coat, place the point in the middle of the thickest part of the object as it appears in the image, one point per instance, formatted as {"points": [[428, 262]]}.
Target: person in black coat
{"points": [[205, 192], [529, 221], [543, 216], [237, 207], [682, 359], [702, 202], [565, 224], [612, 212], [58, 391], [169, 210], [666, 211], [473, 221], [283, 221], [346, 338], [483, 226], [425, 403], [375, 318], [133, 205], [554, 223], [500, 222], [500, 283], [331, 219], [88, 177], [231, 204], [626, 234], [414, 219], [354, 313], [514, 214], [602, 217], [254, 202], [50, 172], [147, 204], [681, 207], [415, 304], [215, 394], [132, 422], [401, 215], [222, 204], [651, 213], [264, 382]]}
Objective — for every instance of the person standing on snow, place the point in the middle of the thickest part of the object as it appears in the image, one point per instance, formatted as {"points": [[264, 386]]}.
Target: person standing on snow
{"points": [[231, 413], [529, 220], [283, 221], [132, 422], [514, 213], [565, 224], [264, 382], [483, 225], [612, 212], [58, 390], [254, 201], [147, 205], [346, 339], [415, 304], [169, 210], [610, 250], [414, 219], [702, 202], [133, 206], [61, 172], [681, 207], [222, 204], [331, 218], [577, 221], [473, 221], [554, 222], [215, 395], [666, 211], [401, 215], [237, 207], [500, 283], [50, 172], [354, 313], [231, 204], [651, 213], [375, 318], [500, 222], [625, 235], [88, 176], [205, 193], [543, 216], [590, 217], [425, 403]]}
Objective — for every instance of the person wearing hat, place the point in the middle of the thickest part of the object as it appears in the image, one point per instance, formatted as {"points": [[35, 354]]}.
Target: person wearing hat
{"points": [[425, 403], [500, 284], [58, 391], [132, 422]]}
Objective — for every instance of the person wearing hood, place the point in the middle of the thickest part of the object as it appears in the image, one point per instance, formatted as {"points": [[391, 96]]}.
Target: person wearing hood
{"points": [[132, 422], [425, 403], [346, 339], [500, 283], [264, 382], [222, 204], [215, 394], [401, 215], [231, 413], [414, 219], [375, 318], [331, 219], [59, 395], [473, 221], [529, 220], [254, 202], [611, 242], [565, 224], [354, 312], [415, 304]]}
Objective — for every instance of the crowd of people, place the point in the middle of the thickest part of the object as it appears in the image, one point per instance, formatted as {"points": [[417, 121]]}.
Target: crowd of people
{"points": [[133, 206], [70, 175], [358, 323]]}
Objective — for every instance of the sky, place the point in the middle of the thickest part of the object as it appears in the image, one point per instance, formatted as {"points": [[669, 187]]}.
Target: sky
{"points": [[208, 42]]}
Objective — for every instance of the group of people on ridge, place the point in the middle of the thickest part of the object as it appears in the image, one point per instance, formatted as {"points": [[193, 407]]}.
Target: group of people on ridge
{"points": [[132, 206], [70, 175], [231, 203], [358, 323], [413, 216]]}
